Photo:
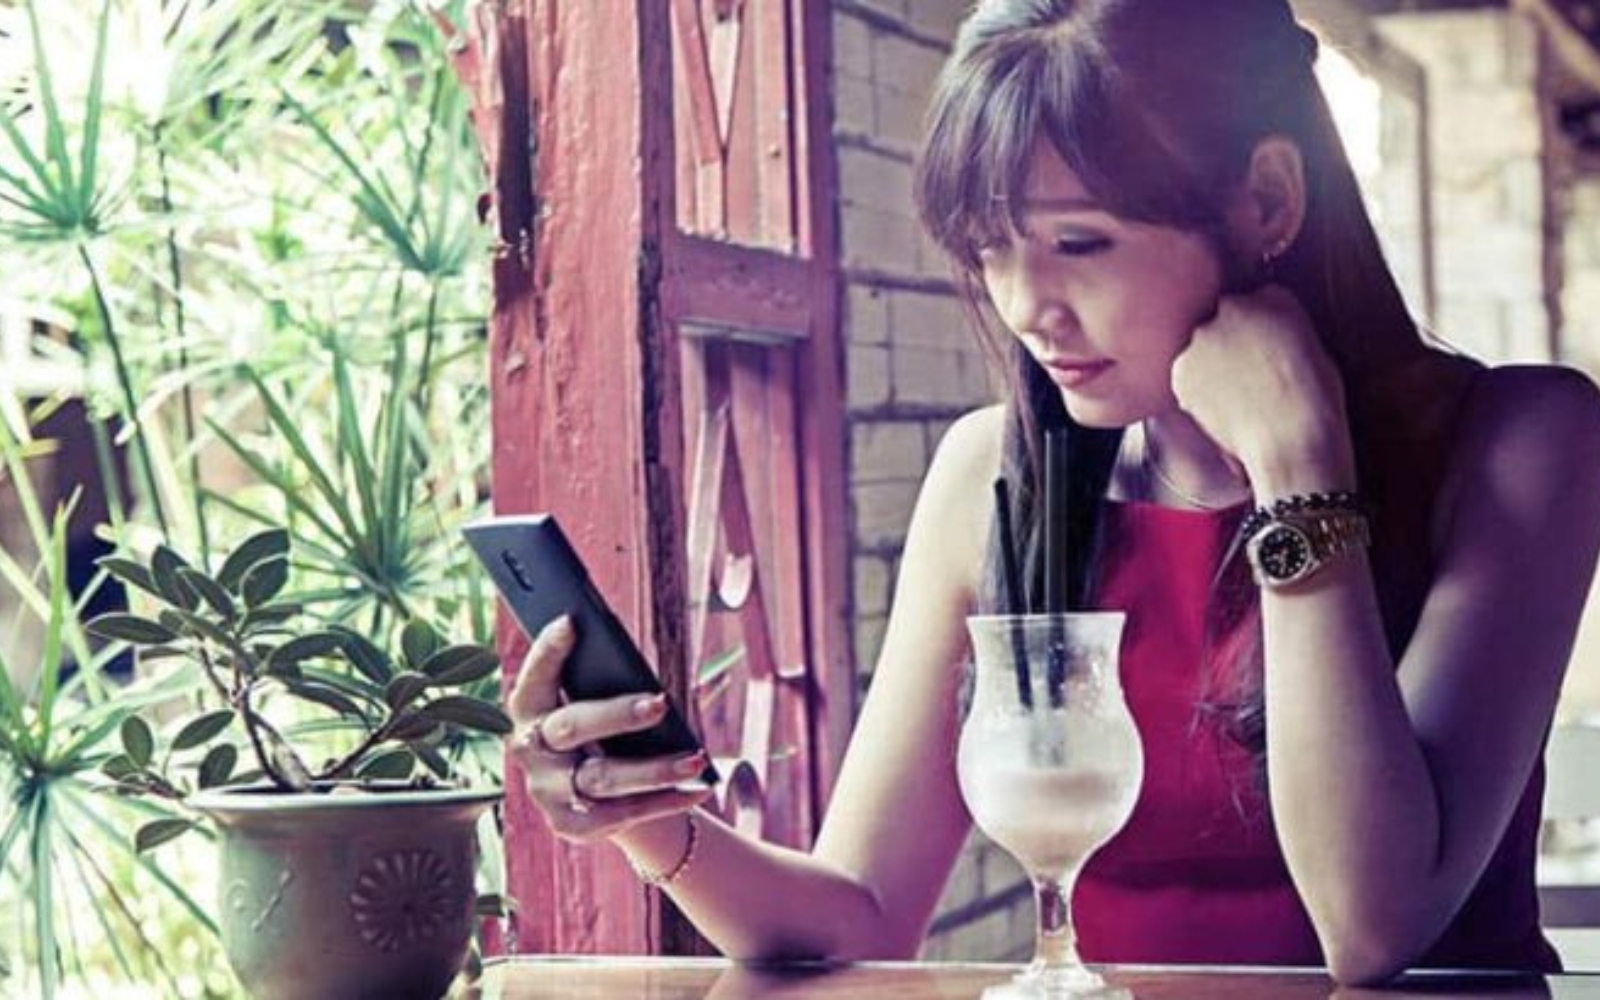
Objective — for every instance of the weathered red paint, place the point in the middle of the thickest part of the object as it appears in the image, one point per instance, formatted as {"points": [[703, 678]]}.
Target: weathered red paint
{"points": [[583, 386], [595, 284]]}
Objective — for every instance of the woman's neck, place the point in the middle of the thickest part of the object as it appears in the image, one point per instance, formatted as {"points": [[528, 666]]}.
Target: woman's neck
{"points": [[1169, 460]]}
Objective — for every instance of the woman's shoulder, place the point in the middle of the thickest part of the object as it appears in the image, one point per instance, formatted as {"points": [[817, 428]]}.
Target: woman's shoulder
{"points": [[1530, 431], [972, 444], [957, 500]]}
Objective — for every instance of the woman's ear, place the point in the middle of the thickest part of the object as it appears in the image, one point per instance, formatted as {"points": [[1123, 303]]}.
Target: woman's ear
{"points": [[1268, 207]]}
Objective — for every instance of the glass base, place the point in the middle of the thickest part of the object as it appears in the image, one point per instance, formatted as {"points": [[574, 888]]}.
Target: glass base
{"points": [[1057, 983]]}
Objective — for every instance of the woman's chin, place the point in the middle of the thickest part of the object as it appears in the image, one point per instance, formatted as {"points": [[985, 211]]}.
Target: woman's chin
{"points": [[1102, 414]]}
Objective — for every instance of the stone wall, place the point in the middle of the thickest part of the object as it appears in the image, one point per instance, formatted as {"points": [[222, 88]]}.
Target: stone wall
{"points": [[913, 367]]}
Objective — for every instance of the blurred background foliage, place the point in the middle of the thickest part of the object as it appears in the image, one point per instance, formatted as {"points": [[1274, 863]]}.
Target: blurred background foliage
{"points": [[242, 240]]}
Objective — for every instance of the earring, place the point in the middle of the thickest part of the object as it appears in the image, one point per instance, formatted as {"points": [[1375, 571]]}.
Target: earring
{"points": [[1269, 256]]}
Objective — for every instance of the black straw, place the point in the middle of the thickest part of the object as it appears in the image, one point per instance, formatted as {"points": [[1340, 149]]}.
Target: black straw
{"points": [[1057, 519], [1015, 604]]}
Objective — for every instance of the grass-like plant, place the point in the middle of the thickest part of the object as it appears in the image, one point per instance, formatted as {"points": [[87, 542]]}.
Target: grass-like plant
{"points": [[62, 839]]}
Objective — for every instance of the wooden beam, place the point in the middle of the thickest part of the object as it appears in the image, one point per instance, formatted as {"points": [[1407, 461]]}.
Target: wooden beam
{"points": [[585, 389]]}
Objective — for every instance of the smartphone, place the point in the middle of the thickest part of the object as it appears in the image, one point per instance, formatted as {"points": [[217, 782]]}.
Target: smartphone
{"points": [[541, 578]]}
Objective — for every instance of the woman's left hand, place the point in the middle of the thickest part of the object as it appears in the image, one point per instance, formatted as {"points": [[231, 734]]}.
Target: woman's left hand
{"points": [[1257, 379]]}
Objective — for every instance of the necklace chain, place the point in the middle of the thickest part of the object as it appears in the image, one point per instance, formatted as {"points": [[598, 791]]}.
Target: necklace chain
{"points": [[1152, 461]]}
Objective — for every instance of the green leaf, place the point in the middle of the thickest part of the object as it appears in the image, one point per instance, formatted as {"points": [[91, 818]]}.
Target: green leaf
{"points": [[373, 663], [468, 713], [328, 697], [202, 730], [158, 832], [131, 629], [431, 758], [209, 590], [418, 641], [166, 567], [404, 689], [197, 625], [131, 573], [285, 762], [150, 654], [258, 548], [218, 765], [460, 665], [137, 741], [268, 615], [264, 580], [396, 764], [311, 646], [412, 726], [120, 768]]}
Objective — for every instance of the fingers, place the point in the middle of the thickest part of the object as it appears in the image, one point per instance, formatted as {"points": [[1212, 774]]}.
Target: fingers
{"points": [[585, 722], [609, 817], [610, 778], [538, 685]]}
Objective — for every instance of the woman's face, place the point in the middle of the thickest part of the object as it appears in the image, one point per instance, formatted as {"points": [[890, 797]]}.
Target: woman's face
{"points": [[1103, 304]]}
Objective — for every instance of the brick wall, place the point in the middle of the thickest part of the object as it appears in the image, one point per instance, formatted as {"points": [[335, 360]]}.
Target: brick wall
{"points": [[1489, 143], [912, 368]]}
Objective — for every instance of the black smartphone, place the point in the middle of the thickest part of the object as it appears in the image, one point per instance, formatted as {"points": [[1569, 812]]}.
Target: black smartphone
{"points": [[541, 578]]}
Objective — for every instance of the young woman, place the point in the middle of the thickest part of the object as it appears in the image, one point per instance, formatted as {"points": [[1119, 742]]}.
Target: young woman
{"points": [[1353, 564]]}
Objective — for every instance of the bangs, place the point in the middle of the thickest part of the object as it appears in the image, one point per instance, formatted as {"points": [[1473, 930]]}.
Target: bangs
{"points": [[995, 100], [983, 124]]}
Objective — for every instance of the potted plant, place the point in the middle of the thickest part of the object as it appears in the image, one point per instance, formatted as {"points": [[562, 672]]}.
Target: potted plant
{"points": [[348, 849]]}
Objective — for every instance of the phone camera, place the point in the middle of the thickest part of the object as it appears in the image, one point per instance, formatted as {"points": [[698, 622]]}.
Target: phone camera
{"points": [[518, 571]]}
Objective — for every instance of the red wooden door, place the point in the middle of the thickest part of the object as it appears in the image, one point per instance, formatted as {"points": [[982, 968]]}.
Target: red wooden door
{"points": [[666, 379]]}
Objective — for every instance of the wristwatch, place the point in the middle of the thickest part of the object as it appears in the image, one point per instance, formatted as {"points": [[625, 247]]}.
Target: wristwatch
{"points": [[1288, 546]]}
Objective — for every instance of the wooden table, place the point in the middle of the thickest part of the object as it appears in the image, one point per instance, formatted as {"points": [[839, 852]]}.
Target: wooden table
{"points": [[590, 978]]}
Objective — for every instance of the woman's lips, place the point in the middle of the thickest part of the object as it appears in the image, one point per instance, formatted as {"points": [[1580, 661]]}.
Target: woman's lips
{"points": [[1075, 374]]}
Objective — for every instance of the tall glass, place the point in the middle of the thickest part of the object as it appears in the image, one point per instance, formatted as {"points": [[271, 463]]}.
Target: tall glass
{"points": [[1050, 765]]}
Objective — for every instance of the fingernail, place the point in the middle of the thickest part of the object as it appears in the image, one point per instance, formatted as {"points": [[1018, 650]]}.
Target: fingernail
{"points": [[692, 766], [644, 708], [561, 628]]}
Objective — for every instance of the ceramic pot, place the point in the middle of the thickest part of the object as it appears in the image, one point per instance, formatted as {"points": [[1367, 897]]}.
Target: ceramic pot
{"points": [[346, 894]]}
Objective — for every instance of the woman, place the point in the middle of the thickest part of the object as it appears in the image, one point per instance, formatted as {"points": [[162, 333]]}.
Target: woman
{"points": [[1342, 736]]}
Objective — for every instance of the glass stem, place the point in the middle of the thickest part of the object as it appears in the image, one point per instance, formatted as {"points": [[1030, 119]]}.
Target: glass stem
{"points": [[1057, 944]]}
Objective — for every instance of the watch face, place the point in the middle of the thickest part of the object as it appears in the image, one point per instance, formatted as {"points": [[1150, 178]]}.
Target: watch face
{"points": [[1283, 553]]}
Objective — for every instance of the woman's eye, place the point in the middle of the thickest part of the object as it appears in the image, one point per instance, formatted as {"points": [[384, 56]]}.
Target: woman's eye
{"points": [[1081, 246]]}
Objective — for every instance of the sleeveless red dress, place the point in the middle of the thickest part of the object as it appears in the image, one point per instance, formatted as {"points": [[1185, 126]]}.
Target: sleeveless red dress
{"points": [[1196, 876]]}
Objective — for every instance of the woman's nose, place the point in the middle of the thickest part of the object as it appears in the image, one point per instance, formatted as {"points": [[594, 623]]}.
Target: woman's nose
{"points": [[1028, 299]]}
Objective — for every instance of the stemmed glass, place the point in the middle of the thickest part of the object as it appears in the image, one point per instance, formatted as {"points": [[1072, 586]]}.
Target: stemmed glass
{"points": [[1050, 765]]}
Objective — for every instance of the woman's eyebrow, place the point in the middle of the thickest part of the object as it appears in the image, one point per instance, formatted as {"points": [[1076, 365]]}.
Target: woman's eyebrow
{"points": [[1072, 204]]}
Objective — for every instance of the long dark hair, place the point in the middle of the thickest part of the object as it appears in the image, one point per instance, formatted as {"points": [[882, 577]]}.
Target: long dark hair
{"points": [[1157, 106]]}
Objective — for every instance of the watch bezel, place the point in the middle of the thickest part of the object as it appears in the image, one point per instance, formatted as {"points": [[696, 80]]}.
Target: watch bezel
{"points": [[1264, 573]]}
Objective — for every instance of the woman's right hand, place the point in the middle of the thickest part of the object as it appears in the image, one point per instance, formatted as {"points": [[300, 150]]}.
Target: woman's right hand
{"points": [[583, 795]]}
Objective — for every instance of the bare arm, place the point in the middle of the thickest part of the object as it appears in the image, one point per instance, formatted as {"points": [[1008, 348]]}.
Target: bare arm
{"points": [[896, 821], [1392, 784]]}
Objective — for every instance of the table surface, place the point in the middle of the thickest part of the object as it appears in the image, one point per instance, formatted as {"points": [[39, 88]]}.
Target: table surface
{"points": [[592, 978]]}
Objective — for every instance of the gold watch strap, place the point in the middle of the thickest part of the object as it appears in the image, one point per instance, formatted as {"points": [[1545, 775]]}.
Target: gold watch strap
{"points": [[1334, 532]]}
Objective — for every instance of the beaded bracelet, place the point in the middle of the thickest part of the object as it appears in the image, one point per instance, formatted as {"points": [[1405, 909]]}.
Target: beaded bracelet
{"points": [[671, 875], [1340, 500]]}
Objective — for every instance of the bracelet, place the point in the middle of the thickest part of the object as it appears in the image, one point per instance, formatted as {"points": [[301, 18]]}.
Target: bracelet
{"points": [[671, 875], [1337, 500]]}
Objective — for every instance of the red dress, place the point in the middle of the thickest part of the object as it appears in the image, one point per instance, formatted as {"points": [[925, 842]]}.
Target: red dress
{"points": [[1196, 876]]}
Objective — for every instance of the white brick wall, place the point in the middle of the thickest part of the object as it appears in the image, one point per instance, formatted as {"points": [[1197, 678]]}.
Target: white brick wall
{"points": [[912, 364], [1489, 150]]}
